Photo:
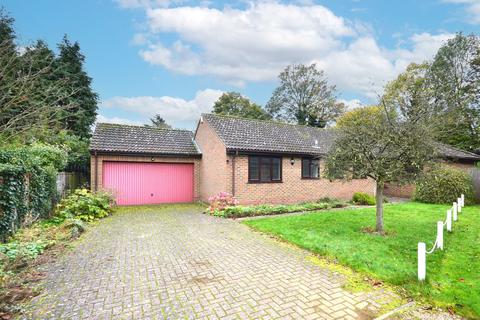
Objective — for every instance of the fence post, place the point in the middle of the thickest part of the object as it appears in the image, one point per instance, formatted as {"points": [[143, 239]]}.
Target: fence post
{"points": [[422, 263], [455, 211], [463, 199], [449, 220], [440, 235], [459, 205]]}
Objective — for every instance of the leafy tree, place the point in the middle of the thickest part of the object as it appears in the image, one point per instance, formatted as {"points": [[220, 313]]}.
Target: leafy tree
{"points": [[387, 143], [234, 104], [454, 76], [7, 36], [82, 104], [159, 122], [26, 102], [35, 97], [304, 97]]}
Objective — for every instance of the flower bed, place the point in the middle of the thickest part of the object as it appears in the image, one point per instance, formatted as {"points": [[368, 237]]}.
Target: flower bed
{"points": [[236, 211]]}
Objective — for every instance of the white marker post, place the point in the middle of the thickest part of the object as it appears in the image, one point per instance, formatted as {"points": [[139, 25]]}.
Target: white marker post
{"points": [[459, 204], [454, 211], [463, 199], [440, 235], [422, 263], [449, 220]]}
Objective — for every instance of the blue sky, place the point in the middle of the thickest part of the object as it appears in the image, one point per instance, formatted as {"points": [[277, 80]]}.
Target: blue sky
{"points": [[176, 57]]}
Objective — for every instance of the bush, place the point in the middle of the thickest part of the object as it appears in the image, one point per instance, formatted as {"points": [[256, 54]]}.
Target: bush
{"points": [[86, 206], [362, 198], [221, 201], [444, 184]]}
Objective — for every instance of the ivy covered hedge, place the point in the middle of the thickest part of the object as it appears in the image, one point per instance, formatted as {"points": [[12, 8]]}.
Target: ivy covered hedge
{"points": [[27, 184]]}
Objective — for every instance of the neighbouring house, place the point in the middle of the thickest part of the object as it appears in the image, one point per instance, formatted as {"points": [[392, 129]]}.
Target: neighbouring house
{"points": [[257, 161]]}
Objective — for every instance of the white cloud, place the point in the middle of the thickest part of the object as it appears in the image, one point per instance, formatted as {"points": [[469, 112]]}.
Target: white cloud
{"points": [[255, 43], [247, 45], [365, 67], [101, 118], [352, 104], [176, 111], [472, 7]]}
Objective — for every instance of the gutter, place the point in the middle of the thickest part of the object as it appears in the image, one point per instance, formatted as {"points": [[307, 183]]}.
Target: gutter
{"points": [[233, 173], [146, 154], [96, 172]]}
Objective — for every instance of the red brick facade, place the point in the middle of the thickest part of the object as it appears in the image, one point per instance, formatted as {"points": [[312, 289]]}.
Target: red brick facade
{"points": [[216, 175], [213, 167], [293, 188]]}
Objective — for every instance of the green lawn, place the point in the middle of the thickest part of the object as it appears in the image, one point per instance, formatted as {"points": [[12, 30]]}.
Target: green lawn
{"points": [[453, 275]]}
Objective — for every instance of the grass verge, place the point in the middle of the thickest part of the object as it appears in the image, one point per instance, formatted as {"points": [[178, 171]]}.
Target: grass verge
{"points": [[453, 275]]}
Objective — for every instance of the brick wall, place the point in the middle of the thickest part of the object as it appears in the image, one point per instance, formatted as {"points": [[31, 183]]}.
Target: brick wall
{"points": [[157, 159], [293, 188], [214, 169]]}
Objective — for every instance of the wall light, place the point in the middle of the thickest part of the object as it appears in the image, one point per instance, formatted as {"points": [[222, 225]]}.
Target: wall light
{"points": [[292, 161]]}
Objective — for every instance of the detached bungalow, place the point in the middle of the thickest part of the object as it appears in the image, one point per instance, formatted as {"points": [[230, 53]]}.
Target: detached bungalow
{"points": [[257, 161]]}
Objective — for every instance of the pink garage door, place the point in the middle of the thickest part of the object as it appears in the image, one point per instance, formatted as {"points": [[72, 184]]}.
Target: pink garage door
{"points": [[148, 183]]}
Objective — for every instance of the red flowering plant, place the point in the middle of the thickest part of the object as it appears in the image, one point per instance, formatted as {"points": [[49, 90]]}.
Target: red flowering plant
{"points": [[220, 202]]}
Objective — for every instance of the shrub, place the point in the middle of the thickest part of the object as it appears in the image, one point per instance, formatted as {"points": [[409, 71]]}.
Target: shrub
{"points": [[362, 198], [76, 227], [444, 184], [333, 202], [86, 206], [221, 201]]}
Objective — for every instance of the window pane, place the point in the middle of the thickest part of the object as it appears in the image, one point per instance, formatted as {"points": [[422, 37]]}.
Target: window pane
{"points": [[305, 168], [315, 169], [265, 169], [253, 168], [276, 169]]}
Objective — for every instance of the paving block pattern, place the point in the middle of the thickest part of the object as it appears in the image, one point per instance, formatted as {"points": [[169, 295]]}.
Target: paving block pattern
{"points": [[172, 262]]}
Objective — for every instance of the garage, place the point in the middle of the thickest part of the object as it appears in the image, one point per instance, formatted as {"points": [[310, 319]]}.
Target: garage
{"points": [[148, 183], [145, 165]]}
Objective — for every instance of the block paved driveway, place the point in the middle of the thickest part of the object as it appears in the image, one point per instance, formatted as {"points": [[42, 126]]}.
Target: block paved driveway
{"points": [[172, 262]]}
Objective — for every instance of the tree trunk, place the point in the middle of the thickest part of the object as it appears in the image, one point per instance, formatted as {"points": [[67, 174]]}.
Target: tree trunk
{"points": [[379, 200]]}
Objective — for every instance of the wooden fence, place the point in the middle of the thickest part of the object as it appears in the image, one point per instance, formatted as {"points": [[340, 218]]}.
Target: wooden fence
{"points": [[475, 173], [68, 181]]}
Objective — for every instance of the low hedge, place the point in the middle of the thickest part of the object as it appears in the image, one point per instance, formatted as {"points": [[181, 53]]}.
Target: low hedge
{"points": [[362, 198], [266, 209], [444, 184]]}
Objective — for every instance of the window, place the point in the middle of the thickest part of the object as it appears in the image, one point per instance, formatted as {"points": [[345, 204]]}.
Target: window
{"points": [[264, 169], [310, 168]]}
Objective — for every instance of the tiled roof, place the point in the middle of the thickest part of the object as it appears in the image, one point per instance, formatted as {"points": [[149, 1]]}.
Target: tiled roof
{"points": [[269, 136], [117, 138], [454, 153]]}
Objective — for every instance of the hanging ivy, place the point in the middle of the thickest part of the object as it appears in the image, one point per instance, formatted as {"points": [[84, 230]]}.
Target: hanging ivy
{"points": [[27, 184]]}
